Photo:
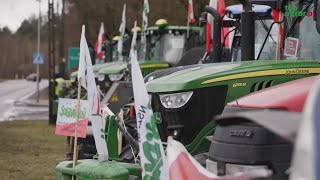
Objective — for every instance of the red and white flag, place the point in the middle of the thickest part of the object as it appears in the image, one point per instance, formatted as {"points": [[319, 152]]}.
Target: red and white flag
{"points": [[182, 166], [220, 6], [190, 13], [100, 39]]}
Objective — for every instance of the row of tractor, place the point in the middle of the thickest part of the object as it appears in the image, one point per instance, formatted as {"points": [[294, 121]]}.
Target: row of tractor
{"points": [[233, 97]]}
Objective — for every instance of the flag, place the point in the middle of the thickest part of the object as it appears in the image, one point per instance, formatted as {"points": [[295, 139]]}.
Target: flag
{"points": [[152, 156], [145, 13], [220, 6], [87, 81], [190, 13], [101, 38], [122, 31], [306, 156], [182, 166]]}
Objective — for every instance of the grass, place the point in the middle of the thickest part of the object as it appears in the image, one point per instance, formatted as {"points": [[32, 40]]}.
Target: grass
{"points": [[29, 150]]}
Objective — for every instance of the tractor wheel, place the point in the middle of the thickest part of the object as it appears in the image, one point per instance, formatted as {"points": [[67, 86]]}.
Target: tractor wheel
{"points": [[192, 56]]}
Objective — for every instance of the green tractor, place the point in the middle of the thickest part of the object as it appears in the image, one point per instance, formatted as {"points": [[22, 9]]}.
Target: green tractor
{"points": [[165, 45], [187, 100]]}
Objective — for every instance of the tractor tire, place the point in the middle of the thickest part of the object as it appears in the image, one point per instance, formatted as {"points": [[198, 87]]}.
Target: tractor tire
{"points": [[192, 56]]}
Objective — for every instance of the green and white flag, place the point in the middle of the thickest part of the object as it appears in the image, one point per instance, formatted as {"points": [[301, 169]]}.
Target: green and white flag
{"points": [[122, 31], [152, 157], [145, 13]]}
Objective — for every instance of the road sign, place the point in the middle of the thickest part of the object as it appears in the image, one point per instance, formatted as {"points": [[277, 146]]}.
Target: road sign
{"points": [[73, 57], [38, 58]]}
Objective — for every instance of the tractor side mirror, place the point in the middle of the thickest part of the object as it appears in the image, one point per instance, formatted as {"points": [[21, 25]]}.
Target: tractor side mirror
{"points": [[317, 14]]}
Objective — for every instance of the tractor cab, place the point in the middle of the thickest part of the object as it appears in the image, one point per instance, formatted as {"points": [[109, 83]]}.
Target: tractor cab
{"points": [[263, 22]]}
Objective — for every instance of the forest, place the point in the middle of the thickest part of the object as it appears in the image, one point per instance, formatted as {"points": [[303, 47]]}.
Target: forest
{"points": [[16, 48]]}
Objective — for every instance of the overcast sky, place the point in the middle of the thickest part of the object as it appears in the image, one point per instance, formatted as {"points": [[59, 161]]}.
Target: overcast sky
{"points": [[13, 12]]}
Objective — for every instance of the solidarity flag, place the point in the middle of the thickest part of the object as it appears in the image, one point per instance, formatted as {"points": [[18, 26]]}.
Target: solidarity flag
{"points": [[152, 157], [87, 81], [101, 38], [122, 31], [190, 13], [182, 166], [306, 156]]}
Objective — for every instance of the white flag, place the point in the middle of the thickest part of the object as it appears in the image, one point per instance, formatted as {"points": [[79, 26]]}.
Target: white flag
{"points": [[86, 77], [152, 157], [306, 156], [122, 31], [145, 13]]}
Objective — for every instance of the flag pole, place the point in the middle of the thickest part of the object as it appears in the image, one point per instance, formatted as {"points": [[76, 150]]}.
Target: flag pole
{"points": [[75, 146], [188, 25]]}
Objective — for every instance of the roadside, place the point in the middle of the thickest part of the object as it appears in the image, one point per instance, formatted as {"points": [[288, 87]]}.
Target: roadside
{"points": [[19, 100], [29, 150]]}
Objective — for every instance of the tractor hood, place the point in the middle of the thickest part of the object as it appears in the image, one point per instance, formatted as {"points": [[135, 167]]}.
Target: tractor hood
{"points": [[216, 73], [95, 68], [121, 66]]}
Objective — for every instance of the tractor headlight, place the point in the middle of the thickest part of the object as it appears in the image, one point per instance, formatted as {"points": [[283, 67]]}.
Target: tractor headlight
{"points": [[73, 79], [232, 169], [175, 100], [115, 77], [150, 78], [101, 77]]}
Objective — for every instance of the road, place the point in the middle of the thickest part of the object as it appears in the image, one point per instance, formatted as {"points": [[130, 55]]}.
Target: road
{"points": [[13, 94]]}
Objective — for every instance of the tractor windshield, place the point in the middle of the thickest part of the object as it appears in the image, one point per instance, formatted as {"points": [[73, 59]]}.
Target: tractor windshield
{"points": [[268, 52], [166, 47], [302, 29]]}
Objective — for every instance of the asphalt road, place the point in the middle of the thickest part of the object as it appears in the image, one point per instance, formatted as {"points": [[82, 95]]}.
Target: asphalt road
{"points": [[13, 91]]}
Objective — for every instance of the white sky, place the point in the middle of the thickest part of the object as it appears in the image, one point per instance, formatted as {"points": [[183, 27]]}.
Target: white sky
{"points": [[13, 12]]}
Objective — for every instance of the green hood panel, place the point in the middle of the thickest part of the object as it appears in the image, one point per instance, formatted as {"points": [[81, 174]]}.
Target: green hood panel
{"points": [[114, 69], [96, 68], [181, 28], [144, 65], [212, 74]]}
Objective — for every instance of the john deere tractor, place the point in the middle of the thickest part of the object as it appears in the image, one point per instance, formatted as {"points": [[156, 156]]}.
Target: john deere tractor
{"points": [[187, 100]]}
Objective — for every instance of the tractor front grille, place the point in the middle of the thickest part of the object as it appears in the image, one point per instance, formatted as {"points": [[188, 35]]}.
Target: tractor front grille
{"points": [[193, 116]]}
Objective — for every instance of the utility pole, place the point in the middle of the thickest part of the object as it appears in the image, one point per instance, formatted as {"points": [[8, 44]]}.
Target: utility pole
{"points": [[38, 49], [61, 44], [51, 58]]}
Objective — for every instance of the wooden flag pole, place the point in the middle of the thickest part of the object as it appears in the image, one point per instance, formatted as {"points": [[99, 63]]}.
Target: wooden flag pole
{"points": [[75, 146]]}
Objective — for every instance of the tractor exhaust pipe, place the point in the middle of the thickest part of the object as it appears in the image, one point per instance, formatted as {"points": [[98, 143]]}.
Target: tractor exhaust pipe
{"points": [[247, 31], [217, 51]]}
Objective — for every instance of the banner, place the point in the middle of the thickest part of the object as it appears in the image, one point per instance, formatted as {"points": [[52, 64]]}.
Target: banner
{"points": [[67, 116]]}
